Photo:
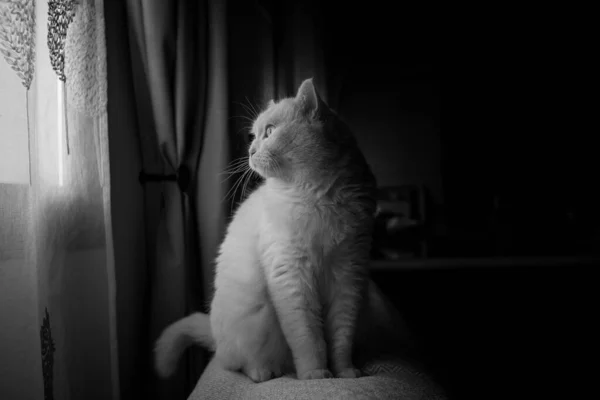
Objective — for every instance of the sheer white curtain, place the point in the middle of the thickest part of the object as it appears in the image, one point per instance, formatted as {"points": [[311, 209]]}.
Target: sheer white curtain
{"points": [[57, 322]]}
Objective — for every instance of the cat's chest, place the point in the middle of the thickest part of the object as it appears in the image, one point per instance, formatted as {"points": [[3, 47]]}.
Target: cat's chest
{"points": [[316, 227]]}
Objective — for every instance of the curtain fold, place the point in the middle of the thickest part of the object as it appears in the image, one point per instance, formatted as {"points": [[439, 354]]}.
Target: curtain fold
{"points": [[169, 44]]}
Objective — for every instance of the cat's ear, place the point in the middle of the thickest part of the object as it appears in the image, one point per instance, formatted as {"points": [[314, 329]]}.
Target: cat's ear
{"points": [[270, 103], [309, 100]]}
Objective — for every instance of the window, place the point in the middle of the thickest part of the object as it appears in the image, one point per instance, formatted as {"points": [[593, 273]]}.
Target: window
{"points": [[14, 137]]}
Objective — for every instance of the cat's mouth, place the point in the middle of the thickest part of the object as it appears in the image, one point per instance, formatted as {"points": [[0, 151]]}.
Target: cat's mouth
{"points": [[264, 165], [255, 167]]}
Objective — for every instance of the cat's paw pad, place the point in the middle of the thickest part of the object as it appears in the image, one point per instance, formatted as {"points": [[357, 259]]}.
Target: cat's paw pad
{"points": [[315, 374], [349, 373], [260, 374]]}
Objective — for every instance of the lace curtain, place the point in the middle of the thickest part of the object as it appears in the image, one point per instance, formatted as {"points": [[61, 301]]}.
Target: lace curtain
{"points": [[57, 322]]}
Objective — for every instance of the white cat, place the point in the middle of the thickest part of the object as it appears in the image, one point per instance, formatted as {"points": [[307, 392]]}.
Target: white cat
{"points": [[292, 292]]}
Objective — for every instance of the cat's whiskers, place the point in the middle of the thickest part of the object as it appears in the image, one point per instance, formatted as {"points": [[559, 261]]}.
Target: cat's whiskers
{"points": [[256, 112], [242, 170], [253, 114], [249, 121], [246, 127], [232, 189], [235, 166], [236, 186], [238, 168], [244, 117], [250, 110], [245, 178], [237, 162], [245, 186]]}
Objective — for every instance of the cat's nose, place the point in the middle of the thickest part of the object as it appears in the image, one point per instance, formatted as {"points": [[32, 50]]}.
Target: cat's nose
{"points": [[252, 151]]}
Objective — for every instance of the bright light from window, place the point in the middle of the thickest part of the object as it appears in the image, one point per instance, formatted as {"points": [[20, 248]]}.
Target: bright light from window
{"points": [[61, 131], [14, 137]]}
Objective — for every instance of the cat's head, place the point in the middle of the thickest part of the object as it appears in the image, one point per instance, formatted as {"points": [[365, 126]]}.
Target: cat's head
{"points": [[299, 138]]}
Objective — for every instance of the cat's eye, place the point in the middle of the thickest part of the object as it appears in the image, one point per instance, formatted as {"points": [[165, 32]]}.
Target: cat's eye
{"points": [[268, 130]]}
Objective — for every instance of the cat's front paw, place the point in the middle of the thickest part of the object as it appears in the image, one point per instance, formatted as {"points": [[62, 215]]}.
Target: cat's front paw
{"points": [[349, 373], [315, 374], [261, 374]]}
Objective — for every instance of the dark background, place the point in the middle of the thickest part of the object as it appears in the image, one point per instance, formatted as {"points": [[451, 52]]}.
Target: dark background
{"points": [[509, 173]]}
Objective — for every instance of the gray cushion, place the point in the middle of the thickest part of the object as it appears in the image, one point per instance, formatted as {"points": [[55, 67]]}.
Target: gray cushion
{"points": [[387, 380]]}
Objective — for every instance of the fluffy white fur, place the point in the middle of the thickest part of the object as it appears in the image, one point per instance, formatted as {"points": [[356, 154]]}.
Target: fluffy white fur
{"points": [[291, 289]]}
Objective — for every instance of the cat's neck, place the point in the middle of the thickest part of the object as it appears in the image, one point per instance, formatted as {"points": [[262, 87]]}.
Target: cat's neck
{"points": [[324, 190], [301, 191]]}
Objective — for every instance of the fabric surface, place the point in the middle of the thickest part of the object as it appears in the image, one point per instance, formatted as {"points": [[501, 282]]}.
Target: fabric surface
{"points": [[387, 380], [62, 256]]}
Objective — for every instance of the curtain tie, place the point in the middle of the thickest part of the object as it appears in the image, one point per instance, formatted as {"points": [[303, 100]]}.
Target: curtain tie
{"points": [[182, 177]]}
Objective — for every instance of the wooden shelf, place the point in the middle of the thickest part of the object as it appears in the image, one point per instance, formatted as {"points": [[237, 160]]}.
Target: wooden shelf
{"points": [[486, 262]]}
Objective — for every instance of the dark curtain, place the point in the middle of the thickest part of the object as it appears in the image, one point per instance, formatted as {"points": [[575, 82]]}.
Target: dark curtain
{"points": [[179, 72], [171, 61]]}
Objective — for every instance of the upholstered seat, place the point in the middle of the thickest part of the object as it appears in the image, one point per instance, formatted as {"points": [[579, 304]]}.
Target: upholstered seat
{"points": [[386, 380]]}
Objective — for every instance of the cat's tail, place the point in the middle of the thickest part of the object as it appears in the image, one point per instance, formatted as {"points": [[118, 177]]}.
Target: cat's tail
{"points": [[193, 329]]}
